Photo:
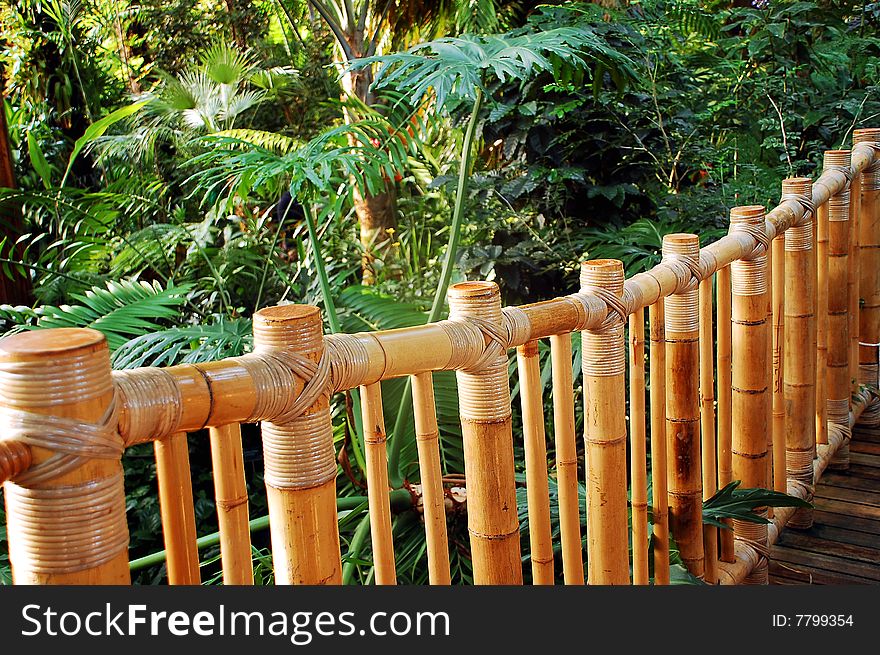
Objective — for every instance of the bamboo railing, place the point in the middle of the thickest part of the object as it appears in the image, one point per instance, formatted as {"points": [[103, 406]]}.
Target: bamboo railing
{"points": [[791, 358]]}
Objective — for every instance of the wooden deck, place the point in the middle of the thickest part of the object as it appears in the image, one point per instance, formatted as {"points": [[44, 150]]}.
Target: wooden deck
{"points": [[843, 546]]}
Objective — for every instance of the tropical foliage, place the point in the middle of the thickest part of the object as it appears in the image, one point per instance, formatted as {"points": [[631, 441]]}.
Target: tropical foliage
{"points": [[179, 165]]}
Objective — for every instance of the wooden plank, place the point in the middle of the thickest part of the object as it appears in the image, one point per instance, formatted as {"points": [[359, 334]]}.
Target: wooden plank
{"points": [[865, 447], [864, 459], [808, 542], [862, 472], [846, 481], [825, 562], [837, 520], [781, 573], [842, 535], [867, 498], [847, 509]]}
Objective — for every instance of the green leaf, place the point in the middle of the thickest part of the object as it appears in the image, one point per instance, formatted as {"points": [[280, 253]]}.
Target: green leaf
{"points": [[38, 160], [98, 128], [734, 503]]}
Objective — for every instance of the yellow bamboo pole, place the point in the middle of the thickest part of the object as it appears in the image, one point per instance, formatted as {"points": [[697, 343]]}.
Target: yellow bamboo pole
{"points": [[683, 459], [799, 375], [230, 491], [751, 373], [725, 437], [300, 461], [377, 484], [659, 498], [853, 282], [428, 444], [837, 369], [176, 508], [638, 456], [66, 525], [707, 424], [822, 324], [566, 459], [534, 438], [869, 255], [484, 406], [604, 366], [777, 273]]}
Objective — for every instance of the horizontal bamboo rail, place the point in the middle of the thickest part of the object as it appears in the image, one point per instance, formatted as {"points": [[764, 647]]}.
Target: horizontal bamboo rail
{"points": [[69, 423]]}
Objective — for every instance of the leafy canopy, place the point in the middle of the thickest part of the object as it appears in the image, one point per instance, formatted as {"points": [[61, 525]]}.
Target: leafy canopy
{"points": [[457, 68]]}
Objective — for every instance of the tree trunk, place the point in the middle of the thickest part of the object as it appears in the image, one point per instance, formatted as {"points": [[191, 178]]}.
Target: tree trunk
{"points": [[16, 291], [377, 214]]}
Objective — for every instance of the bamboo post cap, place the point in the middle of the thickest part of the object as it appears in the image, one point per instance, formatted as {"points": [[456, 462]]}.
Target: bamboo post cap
{"points": [[747, 213], [56, 366], [603, 273], [290, 327], [800, 235], [866, 134], [682, 250], [476, 299]]}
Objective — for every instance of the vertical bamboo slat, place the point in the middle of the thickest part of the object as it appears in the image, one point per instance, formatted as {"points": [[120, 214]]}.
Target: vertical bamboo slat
{"points": [[534, 438], [751, 373], [799, 375], [838, 341], [707, 425], [869, 256], [777, 273], [659, 500], [725, 436], [853, 282], [566, 460], [230, 491], [604, 366], [300, 461], [377, 484], [638, 456], [683, 459], [70, 528], [484, 406], [822, 323], [428, 444], [176, 507]]}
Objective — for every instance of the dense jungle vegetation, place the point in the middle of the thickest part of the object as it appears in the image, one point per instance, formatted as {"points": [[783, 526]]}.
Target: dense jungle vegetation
{"points": [[168, 168]]}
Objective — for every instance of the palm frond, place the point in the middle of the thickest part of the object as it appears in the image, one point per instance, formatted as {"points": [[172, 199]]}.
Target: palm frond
{"points": [[120, 310], [187, 344], [734, 503]]}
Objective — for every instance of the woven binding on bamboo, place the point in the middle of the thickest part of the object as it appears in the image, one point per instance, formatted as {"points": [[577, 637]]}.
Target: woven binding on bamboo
{"points": [[870, 175], [800, 235], [748, 278], [67, 528], [297, 446], [152, 404], [603, 353], [755, 536], [681, 252], [63, 528], [349, 360]]}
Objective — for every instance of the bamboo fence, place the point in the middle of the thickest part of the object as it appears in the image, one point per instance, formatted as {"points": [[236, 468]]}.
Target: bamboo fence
{"points": [[782, 366]]}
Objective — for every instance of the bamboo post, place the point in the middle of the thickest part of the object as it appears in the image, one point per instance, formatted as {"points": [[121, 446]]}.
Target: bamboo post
{"points": [[65, 514], [659, 498], [869, 255], [751, 373], [299, 458], [707, 425], [428, 444], [377, 484], [638, 456], [777, 286], [838, 341], [230, 491], [799, 375], [176, 508], [821, 296], [484, 406], [725, 436], [683, 459], [853, 282], [537, 489], [566, 459], [604, 365]]}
